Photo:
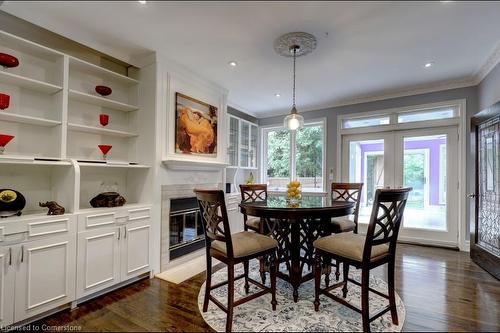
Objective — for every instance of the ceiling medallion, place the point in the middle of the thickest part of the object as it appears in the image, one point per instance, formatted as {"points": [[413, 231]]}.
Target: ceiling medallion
{"points": [[306, 42]]}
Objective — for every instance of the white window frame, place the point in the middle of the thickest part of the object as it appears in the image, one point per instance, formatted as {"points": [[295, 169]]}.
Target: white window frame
{"points": [[293, 170]]}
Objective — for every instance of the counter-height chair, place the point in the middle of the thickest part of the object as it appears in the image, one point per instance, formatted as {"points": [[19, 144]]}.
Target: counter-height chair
{"points": [[343, 192], [232, 250], [378, 247], [252, 193]]}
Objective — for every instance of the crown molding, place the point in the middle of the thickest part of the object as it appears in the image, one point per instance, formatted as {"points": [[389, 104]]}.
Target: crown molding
{"points": [[489, 64]]}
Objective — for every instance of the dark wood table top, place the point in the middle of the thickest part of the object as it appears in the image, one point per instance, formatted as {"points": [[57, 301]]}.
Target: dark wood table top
{"points": [[276, 206]]}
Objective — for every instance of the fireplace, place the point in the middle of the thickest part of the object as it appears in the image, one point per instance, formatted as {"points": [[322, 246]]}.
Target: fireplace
{"points": [[185, 227]]}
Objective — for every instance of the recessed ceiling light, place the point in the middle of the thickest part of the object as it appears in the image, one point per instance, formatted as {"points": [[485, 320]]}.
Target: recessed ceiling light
{"points": [[142, 2], [429, 64], [277, 95], [233, 63]]}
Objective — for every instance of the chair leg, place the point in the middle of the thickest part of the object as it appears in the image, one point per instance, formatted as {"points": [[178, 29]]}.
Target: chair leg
{"points": [[392, 297], [230, 296], [247, 285], [317, 280], [208, 283], [274, 272], [262, 262], [345, 268], [337, 271], [365, 309], [327, 266]]}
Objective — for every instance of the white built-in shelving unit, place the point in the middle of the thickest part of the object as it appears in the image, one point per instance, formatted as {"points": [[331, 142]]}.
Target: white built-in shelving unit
{"points": [[54, 116]]}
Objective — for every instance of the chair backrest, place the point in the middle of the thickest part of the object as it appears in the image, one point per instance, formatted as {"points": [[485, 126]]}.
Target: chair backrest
{"points": [[214, 218], [386, 218], [253, 192], [348, 192]]}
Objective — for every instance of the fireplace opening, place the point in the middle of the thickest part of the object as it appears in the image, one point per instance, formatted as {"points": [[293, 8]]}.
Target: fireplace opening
{"points": [[186, 228]]}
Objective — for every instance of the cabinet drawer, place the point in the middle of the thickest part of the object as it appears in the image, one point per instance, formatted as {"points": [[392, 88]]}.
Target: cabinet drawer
{"points": [[50, 227], [96, 220], [139, 214]]}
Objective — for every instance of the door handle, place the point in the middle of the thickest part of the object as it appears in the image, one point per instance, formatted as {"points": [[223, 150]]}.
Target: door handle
{"points": [[10, 256], [124, 232], [22, 253], [119, 231]]}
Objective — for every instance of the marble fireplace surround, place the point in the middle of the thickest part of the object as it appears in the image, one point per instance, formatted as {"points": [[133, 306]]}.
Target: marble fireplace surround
{"points": [[169, 192]]}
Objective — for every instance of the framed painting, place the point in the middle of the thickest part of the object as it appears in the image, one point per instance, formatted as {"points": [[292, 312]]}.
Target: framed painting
{"points": [[195, 127]]}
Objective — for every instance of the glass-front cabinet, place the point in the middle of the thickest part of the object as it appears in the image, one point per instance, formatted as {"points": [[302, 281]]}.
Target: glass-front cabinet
{"points": [[243, 142]]}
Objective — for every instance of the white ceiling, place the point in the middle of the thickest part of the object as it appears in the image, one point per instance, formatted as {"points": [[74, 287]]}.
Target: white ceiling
{"points": [[364, 48]]}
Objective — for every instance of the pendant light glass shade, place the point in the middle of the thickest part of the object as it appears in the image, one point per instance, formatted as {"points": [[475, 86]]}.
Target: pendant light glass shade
{"points": [[293, 121]]}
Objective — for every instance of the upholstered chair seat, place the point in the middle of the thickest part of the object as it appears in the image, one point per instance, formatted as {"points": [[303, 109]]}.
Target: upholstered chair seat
{"points": [[253, 222], [349, 245], [246, 243], [342, 224]]}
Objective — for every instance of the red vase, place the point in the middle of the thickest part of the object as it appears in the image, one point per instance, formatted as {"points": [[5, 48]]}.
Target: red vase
{"points": [[9, 61], [105, 149], [103, 90], [104, 119], [4, 101], [4, 140]]}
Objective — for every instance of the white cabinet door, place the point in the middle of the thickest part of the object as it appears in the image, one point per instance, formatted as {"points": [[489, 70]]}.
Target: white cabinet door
{"points": [[7, 275], [135, 249], [232, 148], [253, 146], [98, 260], [45, 277]]}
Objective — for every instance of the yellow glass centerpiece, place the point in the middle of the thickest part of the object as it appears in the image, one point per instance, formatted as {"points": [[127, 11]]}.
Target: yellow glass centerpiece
{"points": [[293, 194]]}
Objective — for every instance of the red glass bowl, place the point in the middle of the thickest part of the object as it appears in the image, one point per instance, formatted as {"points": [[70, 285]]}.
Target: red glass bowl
{"points": [[105, 148], [103, 90], [4, 101], [5, 139], [7, 60]]}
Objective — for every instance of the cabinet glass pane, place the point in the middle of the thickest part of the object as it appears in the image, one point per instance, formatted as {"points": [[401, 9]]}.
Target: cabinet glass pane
{"points": [[232, 149], [253, 146], [245, 144]]}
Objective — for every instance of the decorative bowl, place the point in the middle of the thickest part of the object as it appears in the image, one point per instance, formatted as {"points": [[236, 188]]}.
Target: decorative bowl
{"points": [[4, 140], [8, 61], [105, 149], [4, 101], [103, 90]]}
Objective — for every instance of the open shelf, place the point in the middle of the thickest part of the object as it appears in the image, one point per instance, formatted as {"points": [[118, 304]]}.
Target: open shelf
{"points": [[31, 160], [17, 118], [87, 67], [28, 83], [101, 101], [110, 164], [100, 130]]}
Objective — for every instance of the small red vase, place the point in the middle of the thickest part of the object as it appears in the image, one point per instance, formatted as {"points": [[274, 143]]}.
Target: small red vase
{"points": [[9, 61], [104, 119], [4, 140], [103, 90], [4, 101], [105, 149]]}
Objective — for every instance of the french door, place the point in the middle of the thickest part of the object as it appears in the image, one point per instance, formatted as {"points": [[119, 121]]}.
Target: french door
{"points": [[424, 159]]}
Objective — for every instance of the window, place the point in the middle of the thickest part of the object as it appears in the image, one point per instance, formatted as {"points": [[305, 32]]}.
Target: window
{"points": [[424, 115], [364, 122], [294, 155]]}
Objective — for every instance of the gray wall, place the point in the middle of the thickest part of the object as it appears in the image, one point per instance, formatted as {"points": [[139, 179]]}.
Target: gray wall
{"points": [[470, 94], [489, 88], [241, 114]]}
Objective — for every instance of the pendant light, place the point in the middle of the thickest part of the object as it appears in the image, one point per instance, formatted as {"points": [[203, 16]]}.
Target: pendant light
{"points": [[294, 44], [294, 121]]}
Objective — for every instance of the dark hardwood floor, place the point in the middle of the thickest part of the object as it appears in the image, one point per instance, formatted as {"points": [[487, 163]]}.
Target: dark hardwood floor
{"points": [[442, 289]]}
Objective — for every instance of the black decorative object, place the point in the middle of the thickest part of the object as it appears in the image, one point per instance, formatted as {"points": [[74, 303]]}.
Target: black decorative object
{"points": [[11, 203], [108, 199], [54, 208]]}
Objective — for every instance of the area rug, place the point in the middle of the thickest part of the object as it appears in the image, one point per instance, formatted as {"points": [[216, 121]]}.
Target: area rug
{"points": [[257, 315]]}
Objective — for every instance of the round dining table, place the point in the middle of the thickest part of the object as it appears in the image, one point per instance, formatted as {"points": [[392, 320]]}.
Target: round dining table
{"points": [[296, 227]]}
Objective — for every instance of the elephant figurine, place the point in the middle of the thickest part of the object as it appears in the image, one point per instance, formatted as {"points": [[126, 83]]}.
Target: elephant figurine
{"points": [[54, 208]]}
